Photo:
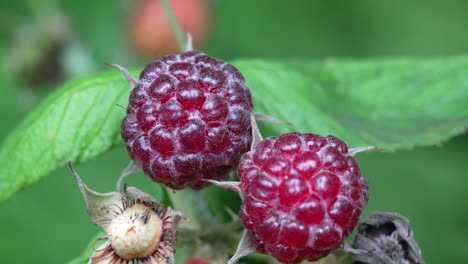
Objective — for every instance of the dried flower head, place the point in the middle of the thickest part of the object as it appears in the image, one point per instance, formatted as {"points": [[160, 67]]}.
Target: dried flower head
{"points": [[386, 238], [138, 230]]}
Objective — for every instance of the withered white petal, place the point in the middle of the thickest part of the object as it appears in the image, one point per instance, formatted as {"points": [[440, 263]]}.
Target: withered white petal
{"points": [[102, 207], [105, 258]]}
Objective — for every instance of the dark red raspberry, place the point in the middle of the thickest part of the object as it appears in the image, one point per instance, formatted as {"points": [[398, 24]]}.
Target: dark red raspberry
{"points": [[188, 120], [303, 195]]}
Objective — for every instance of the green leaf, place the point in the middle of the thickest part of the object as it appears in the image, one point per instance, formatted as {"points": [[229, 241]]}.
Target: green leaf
{"points": [[392, 103], [94, 243], [78, 122]]}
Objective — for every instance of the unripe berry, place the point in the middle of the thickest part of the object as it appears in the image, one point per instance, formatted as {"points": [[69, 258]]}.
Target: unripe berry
{"points": [[137, 229], [150, 33], [136, 232]]}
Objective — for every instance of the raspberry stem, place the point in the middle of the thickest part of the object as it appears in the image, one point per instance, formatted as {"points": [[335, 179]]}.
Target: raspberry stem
{"points": [[174, 25]]}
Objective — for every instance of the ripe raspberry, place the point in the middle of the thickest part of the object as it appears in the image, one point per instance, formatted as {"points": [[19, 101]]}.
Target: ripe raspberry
{"points": [[197, 261], [188, 119], [303, 195]]}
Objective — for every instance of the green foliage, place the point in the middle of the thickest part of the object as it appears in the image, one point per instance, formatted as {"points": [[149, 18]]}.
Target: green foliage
{"points": [[424, 183], [86, 255], [392, 103], [78, 122]]}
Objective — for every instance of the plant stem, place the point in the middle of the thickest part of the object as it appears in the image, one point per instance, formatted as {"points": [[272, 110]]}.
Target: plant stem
{"points": [[179, 35]]}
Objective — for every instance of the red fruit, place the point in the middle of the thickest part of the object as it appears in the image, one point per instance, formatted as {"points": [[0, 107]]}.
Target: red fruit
{"points": [[303, 195], [188, 120], [197, 261], [150, 33]]}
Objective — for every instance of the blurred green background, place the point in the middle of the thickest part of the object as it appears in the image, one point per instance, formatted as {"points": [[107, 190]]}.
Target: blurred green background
{"points": [[47, 223]]}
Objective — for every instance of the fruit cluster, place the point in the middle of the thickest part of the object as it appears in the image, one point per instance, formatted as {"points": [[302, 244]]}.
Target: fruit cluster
{"points": [[189, 121]]}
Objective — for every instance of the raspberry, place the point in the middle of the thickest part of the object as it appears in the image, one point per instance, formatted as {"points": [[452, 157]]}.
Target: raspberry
{"points": [[303, 195], [196, 261], [149, 31], [188, 120]]}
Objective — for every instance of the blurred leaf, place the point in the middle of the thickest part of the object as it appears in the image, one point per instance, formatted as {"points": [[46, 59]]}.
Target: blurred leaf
{"points": [[392, 103], [76, 123]]}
